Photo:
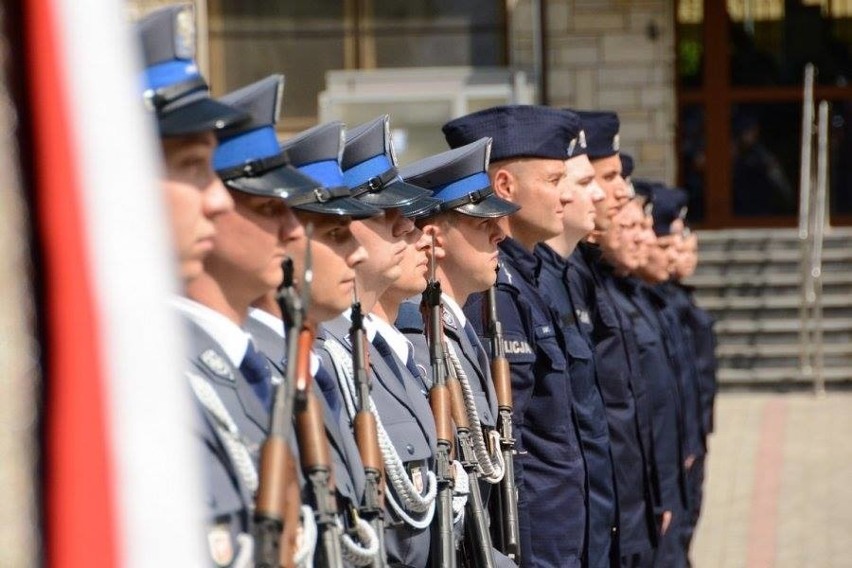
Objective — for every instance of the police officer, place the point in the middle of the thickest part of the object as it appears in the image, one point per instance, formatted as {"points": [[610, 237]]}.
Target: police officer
{"points": [[229, 375], [659, 365], [616, 359], [407, 430], [466, 233], [578, 221], [700, 324], [679, 308], [530, 145]]}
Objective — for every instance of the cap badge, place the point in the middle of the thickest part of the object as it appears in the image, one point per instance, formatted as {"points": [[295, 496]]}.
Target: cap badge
{"points": [[616, 143], [217, 364], [185, 34], [571, 146], [582, 139]]}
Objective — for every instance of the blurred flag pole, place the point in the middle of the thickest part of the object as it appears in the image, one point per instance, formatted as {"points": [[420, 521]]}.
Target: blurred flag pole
{"points": [[121, 484]]}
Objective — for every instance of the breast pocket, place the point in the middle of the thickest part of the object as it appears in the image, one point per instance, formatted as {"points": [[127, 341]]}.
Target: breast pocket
{"points": [[550, 406]]}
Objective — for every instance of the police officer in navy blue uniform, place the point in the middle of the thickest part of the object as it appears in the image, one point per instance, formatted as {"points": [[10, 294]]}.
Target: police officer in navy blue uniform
{"points": [[578, 222], [528, 153], [407, 428], [658, 356], [466, 232], [699, 327], [621, 384], [678, 309]]}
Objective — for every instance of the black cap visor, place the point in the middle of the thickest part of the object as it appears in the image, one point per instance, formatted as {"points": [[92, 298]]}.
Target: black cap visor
{"points": [[328, 201], [396, 193], [424, 207], [491, 206], [201, 115], [285, 182]]}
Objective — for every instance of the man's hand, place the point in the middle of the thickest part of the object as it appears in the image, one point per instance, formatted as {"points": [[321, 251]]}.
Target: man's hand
{"points": [[665, 522]]}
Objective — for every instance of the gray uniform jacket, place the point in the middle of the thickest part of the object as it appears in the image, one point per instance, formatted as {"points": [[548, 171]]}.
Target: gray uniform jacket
{"points": [[229, 500], [348, 470], [407, 418]]}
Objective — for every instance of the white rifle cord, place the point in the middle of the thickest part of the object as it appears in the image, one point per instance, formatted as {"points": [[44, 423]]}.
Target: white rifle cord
{"points": [[304, 555], [412, 500], [491, 467], [356, 554], [234, 443]]}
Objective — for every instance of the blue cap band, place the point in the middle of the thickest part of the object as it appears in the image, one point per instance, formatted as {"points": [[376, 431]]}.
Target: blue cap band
{"points": [[252, 145], [327, 172], [366, 170], [170, 73], [461, 187]]}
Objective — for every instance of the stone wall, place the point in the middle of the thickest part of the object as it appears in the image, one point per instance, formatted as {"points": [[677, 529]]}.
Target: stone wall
{"points": [[612, 55]]}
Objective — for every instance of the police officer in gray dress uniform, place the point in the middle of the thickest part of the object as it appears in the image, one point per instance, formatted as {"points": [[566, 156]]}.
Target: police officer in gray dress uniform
{"points": [[466, 233], [407, 430]]}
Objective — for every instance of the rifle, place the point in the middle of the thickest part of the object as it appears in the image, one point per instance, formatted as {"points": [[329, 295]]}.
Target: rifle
{"points": [[478, 549], [443, 541], [276, 462], [310, 428], [506, 502], [366, 434]]}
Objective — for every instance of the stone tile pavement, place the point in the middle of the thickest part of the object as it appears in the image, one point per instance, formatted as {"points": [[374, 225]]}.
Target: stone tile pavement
{"points": [[779, 483]]}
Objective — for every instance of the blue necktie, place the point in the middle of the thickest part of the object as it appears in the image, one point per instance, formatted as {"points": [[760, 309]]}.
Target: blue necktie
{"points": [[255, 369], [327, 385], [386, 352]]}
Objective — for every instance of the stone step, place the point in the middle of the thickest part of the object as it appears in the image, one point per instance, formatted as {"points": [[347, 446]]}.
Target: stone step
{"points": [[789, 325], [778, 350], [708, 280], [770, 256], [779, 375], [771, 302]]}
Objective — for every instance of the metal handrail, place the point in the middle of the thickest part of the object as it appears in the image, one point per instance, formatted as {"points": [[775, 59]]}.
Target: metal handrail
{"points": [[819, 225], [805, 191]]}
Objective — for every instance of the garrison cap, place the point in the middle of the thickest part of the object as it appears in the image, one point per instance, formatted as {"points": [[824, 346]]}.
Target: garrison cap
{"points": [[601, 133], [669, 204], [458, 178], [249, 158], [519, 131], [316, 153], [173, 86], [370, 170]]}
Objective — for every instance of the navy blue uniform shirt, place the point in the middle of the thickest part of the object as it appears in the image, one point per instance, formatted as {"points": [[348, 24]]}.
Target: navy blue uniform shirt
{"points": [[624, 395], [550, 473], [589, 408]]}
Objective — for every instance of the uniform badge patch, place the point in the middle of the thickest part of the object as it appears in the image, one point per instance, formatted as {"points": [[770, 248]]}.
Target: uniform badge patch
{"points": [[220, 545], [449, 320], [417, 479], [217, 364], [583, 317]]}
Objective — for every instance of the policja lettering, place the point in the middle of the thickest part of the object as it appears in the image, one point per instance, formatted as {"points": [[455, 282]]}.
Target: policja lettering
{"points": [[515, 347]]}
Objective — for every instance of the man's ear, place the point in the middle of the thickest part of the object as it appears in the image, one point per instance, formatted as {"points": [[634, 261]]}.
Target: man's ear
{"points": [[435, 230], [504, 184]]}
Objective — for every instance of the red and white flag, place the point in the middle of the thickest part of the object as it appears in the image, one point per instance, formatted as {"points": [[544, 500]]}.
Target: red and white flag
{"points": [[122, 486]]}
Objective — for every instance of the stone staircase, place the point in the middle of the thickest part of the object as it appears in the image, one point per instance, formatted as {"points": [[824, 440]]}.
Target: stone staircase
{"points": [[749, 280]]}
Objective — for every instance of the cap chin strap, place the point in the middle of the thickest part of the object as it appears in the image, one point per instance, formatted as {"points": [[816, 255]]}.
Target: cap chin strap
{"points": [[164, 99], [254, 168], [376, 183]]}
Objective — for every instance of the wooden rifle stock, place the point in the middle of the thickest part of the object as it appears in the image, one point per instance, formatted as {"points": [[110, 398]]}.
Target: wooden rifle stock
{"points": [[477, 543], [315, 456], [506, 504], [277, 502], [443, 541], [366, 436]]}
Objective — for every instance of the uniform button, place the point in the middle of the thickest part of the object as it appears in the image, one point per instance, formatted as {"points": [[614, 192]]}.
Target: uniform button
{"points": [[410, 449]]}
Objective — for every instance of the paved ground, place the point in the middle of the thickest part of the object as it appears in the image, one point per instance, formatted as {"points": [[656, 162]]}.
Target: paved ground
{"points": [[779, 485]]}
